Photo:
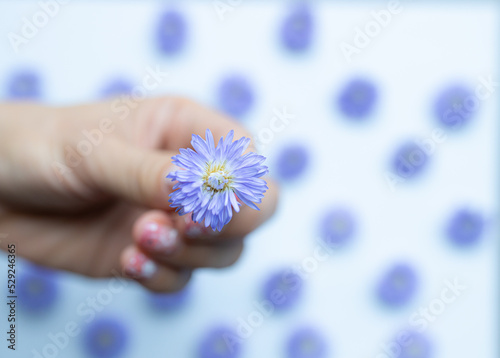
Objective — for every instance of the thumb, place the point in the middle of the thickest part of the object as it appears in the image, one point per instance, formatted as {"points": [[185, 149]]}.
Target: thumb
{"points": [[135, 174]]}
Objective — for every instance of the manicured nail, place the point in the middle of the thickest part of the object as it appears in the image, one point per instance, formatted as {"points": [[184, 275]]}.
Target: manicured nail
{"points": [[140, 267], [159, 238], [194, 230]]}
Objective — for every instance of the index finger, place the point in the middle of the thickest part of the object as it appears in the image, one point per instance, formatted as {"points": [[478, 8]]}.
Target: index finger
{"points": [[187, 117]]}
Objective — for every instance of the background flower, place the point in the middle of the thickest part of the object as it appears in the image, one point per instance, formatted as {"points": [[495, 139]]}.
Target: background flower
{"points": [[117, 86], [306, 342], [235, 96], [24, 84], [358, 98], [297, 28], [291, 162], [398, 285], [465, 227], [220, 342], [283, 289], [106, 337], [37, 289], [171, 32], [455, 106]]}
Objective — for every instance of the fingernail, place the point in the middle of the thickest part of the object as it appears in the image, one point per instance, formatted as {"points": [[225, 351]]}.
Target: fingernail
{"points": [[159, 238], [140, 267], [194, 229]]}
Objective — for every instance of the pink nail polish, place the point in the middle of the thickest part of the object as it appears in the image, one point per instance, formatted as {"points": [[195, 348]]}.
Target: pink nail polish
{"points": [[159, 238], [139, 266]]}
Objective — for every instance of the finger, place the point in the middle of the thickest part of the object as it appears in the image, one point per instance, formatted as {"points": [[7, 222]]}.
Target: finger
{"points": [[135, 174], [88, 244], [158, 278], [155, 234], [188, 117], [154, 231], [203, 255]]}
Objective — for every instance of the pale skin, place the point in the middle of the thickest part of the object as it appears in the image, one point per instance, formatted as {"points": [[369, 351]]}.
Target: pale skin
{"points": [[91, 219]]}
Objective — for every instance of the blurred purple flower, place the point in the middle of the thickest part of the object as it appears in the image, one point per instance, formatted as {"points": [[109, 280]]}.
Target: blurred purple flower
{"points": [[337, 227], [106, 338], [398, 285], [24, 85], [418, 346], [37, 289], [171, 32], [116, 87], [215, 178], [297, 28], [465, 228], [455, 106], [169, 301], [409, 161], [291, 162], [235, 96], [220, 342], [283, 289], [306, 342], [357, 98]]}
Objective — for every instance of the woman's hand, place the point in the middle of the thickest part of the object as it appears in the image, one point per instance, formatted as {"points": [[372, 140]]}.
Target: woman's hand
{"points": [[83, 189]]}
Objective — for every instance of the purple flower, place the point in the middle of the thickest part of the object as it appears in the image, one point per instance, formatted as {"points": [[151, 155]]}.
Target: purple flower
{"points": [[292, 162], [337, 227], [283, 289], [24, 85], [235, 96], [106, 337], [398, 285], [171, 32], [220, 342], [116, 87], [455, 106], [409, 161], [306, 342], [357, 98], [465, 228], [37, 289], [215, 179], [169, 301], [297, 29], [416, 345]]}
